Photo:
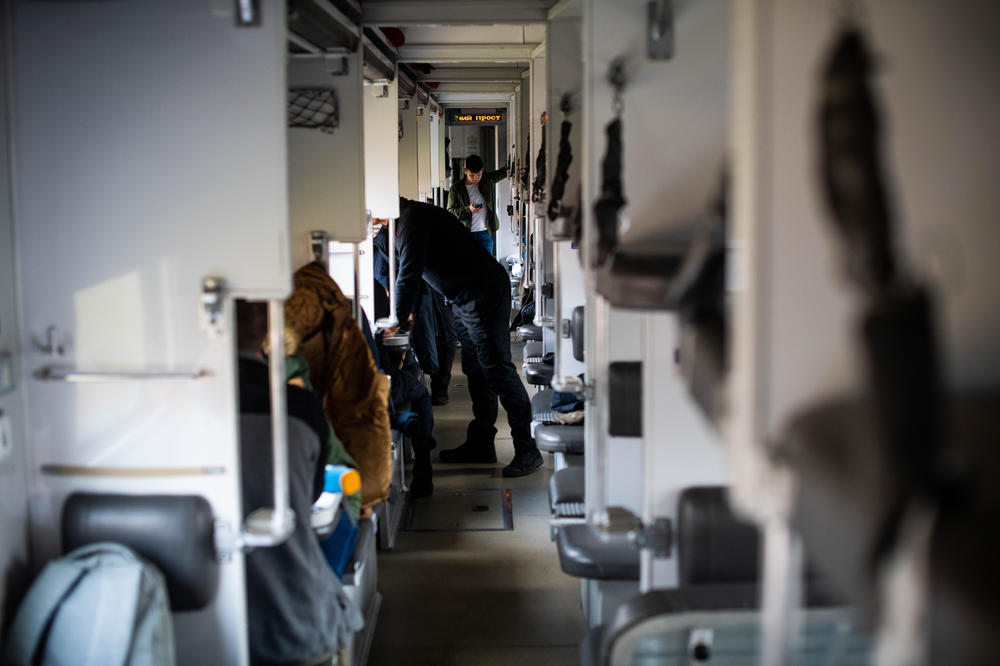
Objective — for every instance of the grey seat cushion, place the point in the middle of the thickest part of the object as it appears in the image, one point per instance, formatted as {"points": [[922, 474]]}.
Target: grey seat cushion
{"points": [[538, 374], [560, 438], [585, 554], [541, 403], [567, 485], [529, 332]]}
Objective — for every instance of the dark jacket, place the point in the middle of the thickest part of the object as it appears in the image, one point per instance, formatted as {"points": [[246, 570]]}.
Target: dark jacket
{"points": [[425, 331], [458, 199], [433, 246], [297, 609]]}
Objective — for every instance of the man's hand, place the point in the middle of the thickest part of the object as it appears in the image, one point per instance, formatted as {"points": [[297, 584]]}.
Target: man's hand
{"points": [[394, 330]]}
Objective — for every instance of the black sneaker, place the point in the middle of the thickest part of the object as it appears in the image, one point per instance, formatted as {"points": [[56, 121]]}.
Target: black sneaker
{"points": [[523, 464], [438, 400], [470, 452]]}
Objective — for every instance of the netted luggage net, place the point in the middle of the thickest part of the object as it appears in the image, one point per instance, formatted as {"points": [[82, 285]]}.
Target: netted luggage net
{"points": [[313, 108]]}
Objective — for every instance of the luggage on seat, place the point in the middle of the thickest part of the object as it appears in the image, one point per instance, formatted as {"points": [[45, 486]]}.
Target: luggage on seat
{"points": [[100, 604]]}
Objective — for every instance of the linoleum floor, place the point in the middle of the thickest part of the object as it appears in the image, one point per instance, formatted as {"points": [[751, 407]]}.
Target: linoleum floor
{"points": [[479, 598]]}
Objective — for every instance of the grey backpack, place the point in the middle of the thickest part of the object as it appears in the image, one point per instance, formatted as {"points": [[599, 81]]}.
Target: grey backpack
{"points": [[100, 605]]}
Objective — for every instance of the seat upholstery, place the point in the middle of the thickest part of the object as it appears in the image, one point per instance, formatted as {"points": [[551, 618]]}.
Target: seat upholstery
{"points": [[567, 485], [174, 532], [538, 374], [714, 547], [529, 332], [541, 407], [556, 438], [585, 554]]}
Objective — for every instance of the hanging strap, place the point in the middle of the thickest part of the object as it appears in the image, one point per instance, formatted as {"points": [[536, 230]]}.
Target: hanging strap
{"points": [[562, 170], [538, 187], [612, 199], [525, 182], [852, 170]]}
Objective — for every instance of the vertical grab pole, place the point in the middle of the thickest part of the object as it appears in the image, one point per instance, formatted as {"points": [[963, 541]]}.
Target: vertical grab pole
{"points": [[392, 271], [599, 411], [279, 420], [357, 283], [557, 377], [647, 346], [783, 558], [540, 318]]}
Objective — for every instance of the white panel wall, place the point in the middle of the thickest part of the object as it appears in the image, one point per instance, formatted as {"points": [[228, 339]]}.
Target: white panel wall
{"points": [[676, 112], [675, 119], [795, 340], [14, 549], [409, 178], [382, 150], [326, 171], [436, 148], [150, 154], [442, 134], [424, 154], [565, 74], [505, 189]]}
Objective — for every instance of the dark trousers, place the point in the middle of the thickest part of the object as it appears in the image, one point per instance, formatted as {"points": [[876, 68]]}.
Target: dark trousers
{"points": [[485, 239], [482, 326], [441, 379], [447, 339]]}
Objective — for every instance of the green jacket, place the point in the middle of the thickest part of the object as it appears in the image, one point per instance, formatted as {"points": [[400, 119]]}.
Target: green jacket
{"points": [[458, 199]]}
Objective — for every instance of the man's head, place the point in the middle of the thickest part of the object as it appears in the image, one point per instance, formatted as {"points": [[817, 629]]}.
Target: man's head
{"points": [[473, 168]]}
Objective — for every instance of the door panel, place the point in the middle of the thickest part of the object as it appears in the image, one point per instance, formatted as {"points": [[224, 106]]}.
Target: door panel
{"points": [[150, 154]]}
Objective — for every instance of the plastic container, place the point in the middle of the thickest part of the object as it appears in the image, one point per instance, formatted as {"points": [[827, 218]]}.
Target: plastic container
{"points": [[341, 479]]}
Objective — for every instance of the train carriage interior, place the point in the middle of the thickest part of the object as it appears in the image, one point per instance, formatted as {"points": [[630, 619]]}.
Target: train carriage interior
{"points": [[265, 264]]}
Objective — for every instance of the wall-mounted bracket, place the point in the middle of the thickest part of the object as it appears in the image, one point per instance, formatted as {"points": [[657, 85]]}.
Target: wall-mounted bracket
{"points": [[660, 35], [213, 290], [319, 246], [656, 536]]}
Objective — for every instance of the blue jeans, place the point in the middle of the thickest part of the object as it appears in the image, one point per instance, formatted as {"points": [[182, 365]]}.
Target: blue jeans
{"points": [[485, 239], [482, 325]]}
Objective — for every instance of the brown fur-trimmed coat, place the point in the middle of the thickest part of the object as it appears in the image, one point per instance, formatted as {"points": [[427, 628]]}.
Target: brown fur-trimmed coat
{"points": [[355, 394]]}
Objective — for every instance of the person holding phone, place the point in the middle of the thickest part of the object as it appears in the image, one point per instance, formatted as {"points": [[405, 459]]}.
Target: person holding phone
{"points": [[472, 199]]}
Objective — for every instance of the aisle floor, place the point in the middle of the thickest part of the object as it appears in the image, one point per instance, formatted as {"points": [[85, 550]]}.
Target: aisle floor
{"points": [[479, 598]]}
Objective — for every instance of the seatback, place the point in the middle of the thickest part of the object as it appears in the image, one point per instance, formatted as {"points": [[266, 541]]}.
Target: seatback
{"points": [[577, 324], [713, 546], [175, 533]]}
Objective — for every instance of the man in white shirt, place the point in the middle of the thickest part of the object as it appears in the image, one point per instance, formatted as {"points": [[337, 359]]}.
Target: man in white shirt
{"points": [[472, 200]]}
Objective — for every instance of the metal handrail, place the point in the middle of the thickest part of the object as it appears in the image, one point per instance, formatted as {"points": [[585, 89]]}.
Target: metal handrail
{"points": [[55, 373], [271, 526]]}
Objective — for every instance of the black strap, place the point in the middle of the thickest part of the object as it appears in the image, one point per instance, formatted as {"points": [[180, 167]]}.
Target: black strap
{"points": [[562, 170], [852, 172], [611, 199], [538, 187]]}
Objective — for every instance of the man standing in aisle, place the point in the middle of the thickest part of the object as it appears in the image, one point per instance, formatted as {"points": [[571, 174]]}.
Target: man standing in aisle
{"points": [[434, 247], [472, 200]]}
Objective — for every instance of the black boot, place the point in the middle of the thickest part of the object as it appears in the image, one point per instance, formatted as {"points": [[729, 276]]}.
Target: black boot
{"points": [[477, 448], [524, 463]]}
